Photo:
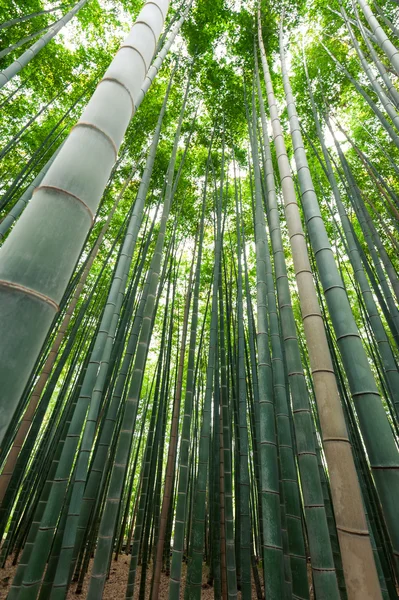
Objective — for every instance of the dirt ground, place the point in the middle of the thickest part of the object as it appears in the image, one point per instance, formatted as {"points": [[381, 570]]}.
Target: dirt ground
{"points": [[115, 587]]}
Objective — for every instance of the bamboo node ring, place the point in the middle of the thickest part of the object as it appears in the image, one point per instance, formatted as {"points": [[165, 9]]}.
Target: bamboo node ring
{"points": [[31, 292]]}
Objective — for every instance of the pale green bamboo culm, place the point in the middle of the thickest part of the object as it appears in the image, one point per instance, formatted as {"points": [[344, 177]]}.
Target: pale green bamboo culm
{"points": [[26, 197], [39, 256]]}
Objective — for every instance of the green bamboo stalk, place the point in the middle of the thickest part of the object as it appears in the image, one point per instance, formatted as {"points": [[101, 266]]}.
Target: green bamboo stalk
{"points": [[273, 562], [385, 101], [384, 122], [392, 91], [353, 195], [254, 392], [23, 18], [387, 22], [244, 482], [231, 574]]}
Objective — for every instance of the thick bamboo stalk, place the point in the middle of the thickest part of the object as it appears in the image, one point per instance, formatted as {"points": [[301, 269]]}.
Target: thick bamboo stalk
{"points": [[39, 256], [26, 422], [17, 209]]}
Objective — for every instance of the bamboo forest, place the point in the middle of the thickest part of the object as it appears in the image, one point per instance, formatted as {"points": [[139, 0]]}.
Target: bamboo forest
{"points": [[199, 299]]}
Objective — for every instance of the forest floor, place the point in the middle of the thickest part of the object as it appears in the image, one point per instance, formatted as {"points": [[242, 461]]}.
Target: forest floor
{"points": [[115, 587]]}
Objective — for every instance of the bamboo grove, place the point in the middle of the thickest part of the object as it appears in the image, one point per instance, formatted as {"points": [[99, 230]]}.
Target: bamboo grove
{"points": [[199, 300]]}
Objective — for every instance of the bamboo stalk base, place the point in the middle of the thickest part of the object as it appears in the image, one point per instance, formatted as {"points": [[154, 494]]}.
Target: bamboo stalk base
{"points": [[115, 587]]}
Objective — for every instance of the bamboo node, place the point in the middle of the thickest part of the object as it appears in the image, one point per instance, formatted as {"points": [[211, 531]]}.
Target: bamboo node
{"points": [[114, 80], [62, 191], [351, 531], [96, 128], [31, 292]]}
